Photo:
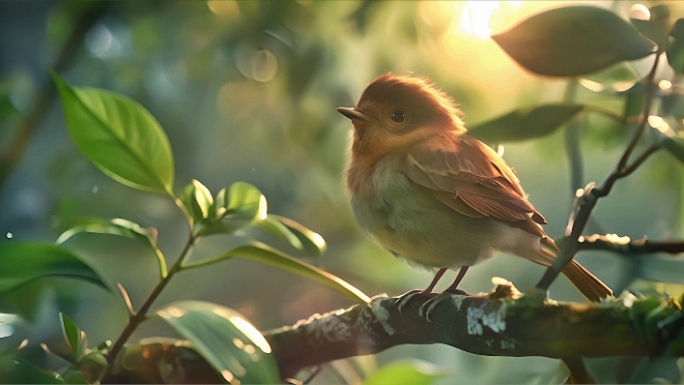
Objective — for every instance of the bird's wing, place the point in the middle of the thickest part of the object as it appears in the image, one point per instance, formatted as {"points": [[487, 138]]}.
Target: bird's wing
{"points": [[469, 177]]}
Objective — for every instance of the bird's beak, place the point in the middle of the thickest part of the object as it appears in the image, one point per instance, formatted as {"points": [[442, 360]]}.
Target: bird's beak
{"points": [[358, 118]]}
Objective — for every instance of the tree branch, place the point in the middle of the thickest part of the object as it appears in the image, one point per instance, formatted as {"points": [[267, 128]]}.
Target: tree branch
{"points": [[628, 246], [38, 111], [493, 325], [586, 201]]}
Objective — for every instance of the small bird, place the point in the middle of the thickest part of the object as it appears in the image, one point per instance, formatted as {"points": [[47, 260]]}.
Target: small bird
{"points": [[429, 193]]}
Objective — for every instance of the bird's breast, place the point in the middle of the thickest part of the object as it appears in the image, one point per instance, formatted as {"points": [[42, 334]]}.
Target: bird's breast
{"points": [[411, 223]]}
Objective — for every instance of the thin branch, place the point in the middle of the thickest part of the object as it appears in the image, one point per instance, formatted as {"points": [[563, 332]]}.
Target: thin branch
{"points": [[38, 111], [587, 201], [141, 315], [643, 118], [626, 245]]}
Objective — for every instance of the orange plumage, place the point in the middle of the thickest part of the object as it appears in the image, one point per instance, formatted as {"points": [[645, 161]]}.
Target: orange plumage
{"points": [[430, 193]]}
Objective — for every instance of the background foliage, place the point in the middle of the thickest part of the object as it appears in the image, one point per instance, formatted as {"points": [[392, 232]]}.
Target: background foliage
{"points": [[246, 91]]}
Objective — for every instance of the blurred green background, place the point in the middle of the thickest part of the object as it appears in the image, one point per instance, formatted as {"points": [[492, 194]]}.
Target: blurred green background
{"points": [[247, 91]]}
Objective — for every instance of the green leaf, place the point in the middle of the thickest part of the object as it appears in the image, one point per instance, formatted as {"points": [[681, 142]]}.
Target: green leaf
{"points": [[24, 262], [236, 207], [675, 146], [198, 200], [259, 252], [573, 41], [15, 370], [225, 339], [119, 136], [675, 52], [657, 27], [618, 73], [242, 202], [415, 372], [7, 109], [120, 227], [525, 123], [297, 235], [74, 336]]}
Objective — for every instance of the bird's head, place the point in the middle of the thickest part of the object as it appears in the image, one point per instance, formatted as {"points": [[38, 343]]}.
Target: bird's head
{"points": [[395, 112]]}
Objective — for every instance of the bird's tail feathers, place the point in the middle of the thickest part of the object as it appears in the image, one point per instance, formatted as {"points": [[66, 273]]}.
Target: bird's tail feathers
{"points": [[586, 282]]}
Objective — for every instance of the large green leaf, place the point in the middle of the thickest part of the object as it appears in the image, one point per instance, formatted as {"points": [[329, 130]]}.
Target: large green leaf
{"points": [[262, 253], [24, 262], [225, 339], [415, 372], [675, 52], [525, 123], [297, 235], [120, 227], [15, 370], [119, 136], [572, 41]]}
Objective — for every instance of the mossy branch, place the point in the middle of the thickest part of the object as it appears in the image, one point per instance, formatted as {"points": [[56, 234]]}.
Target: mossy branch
{"points": [[499, 324]]}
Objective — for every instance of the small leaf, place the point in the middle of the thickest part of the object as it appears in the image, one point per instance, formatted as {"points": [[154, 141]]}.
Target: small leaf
{"points": [[675, 52], [24, 262], [236, 207], [310, 241], [262, 253], [415, 372], [94, 366], [73, 335], [244, 201], [525, 123], [225, 339], [120, 227], [657, 27], [277, 229], [119, 136], [573, 41], [198, 200]]}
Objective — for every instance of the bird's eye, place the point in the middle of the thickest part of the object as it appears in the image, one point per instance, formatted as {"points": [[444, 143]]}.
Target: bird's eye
{"points": [[398, 117]]}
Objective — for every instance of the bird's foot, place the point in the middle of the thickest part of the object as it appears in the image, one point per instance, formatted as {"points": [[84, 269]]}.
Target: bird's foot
{"points": [[447, 295], [406, 297]]}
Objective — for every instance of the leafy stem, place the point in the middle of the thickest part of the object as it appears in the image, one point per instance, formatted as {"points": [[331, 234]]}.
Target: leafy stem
{"points": [[587, 201], [139, 316]]}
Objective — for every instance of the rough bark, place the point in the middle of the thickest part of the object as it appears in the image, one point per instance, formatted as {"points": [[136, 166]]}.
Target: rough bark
{"points": [[500, 324]]}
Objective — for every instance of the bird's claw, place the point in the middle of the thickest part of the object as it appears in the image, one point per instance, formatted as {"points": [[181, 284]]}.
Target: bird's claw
{"points": [[405, 298]]}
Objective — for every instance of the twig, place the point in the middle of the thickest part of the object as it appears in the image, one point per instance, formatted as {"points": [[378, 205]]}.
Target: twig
{"points": [[587, 202], [38, 111], [138, 317], [628, 246]]}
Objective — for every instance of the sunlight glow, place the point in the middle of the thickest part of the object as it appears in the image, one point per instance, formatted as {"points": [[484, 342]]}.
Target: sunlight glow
{"points": [[251, 332], [661, 125], [476, 15], [639, 11], [665, 84]]}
